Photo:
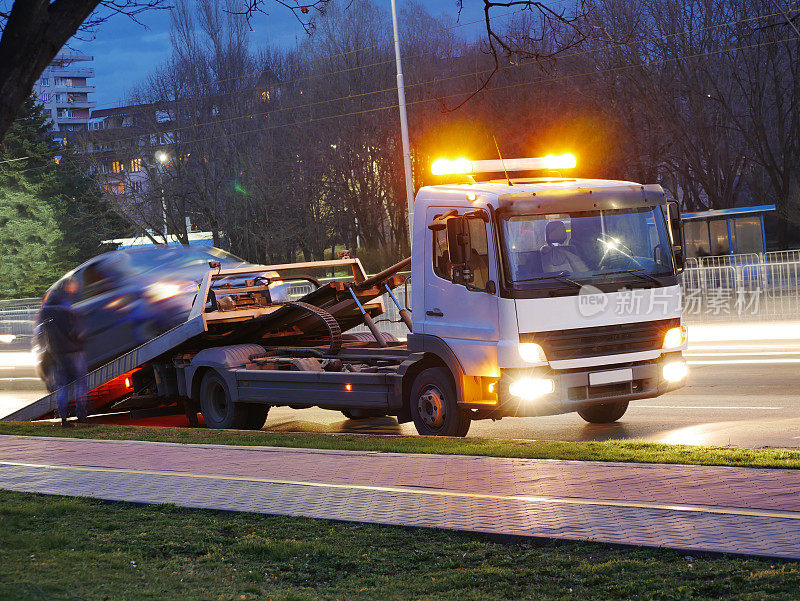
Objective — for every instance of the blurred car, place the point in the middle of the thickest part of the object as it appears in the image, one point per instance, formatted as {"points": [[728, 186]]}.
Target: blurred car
{"points": [[128, 296]]}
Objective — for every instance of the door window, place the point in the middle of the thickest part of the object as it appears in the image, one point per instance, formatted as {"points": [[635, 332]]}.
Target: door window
{"points": [[478, 253], [441, 255]]}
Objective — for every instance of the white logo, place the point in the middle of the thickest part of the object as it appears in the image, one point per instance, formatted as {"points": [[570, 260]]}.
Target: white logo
{"points": [[591, 301]]}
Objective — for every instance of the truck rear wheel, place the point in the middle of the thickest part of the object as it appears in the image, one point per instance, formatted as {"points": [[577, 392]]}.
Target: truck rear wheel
{"points": [[604, 414], [434, 405], [219, 411]]}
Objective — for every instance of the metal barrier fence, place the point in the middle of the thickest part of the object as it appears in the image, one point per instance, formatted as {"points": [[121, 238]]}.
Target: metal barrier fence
{"points": [[782, 256], [17, 316], [774, 256], [729, 260], [759, 291]]}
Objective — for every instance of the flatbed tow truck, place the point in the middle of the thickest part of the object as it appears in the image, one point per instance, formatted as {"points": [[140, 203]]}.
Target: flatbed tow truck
{"points": [[518, 288]]}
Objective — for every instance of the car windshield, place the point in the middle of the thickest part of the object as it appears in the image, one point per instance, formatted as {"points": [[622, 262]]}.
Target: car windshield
{"points": [[586, 245]]}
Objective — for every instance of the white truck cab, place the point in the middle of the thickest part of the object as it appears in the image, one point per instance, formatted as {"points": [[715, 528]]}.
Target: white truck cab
{"points": [[548, 295]]}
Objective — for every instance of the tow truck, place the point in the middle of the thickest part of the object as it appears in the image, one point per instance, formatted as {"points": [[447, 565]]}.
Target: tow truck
{"points": [[530, 296]]}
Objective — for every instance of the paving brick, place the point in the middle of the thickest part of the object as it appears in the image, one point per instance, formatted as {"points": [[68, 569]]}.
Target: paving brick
{"points": [[413, 490]]}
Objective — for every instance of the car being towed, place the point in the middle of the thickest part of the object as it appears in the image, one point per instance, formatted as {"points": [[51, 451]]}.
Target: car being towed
{"points": [[129, 296]]}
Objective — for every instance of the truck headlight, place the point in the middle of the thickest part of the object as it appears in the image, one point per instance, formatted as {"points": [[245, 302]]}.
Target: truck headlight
{"points": [[674, 337], [532, 352], [529, 389], [675, 371]]}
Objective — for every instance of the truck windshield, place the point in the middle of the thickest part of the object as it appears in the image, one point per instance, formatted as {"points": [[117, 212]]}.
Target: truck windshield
{"points": [[587, 246]]}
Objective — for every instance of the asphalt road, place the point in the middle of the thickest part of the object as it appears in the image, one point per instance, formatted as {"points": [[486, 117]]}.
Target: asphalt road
{"points": [[744, 393]]}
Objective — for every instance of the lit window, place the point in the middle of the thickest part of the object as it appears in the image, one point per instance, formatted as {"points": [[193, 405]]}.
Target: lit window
{"points": [[265, 95], [117, 167], [136, 165]]}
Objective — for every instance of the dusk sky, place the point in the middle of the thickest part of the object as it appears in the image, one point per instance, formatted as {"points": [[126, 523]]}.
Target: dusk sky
{"points": [[125, 52]]}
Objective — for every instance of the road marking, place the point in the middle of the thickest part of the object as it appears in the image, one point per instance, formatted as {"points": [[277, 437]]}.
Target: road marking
{"points": [[733, 347], [763, 513], [705, 407], [743, 354], [743, 361]]}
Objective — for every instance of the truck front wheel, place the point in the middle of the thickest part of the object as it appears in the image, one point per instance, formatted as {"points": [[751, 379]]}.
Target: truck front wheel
{"points": [[604, 414], [434, 405], [219, 411]]}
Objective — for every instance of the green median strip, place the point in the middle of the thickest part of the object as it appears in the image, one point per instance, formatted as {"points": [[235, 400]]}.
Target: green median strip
{"points": [[629, 451], [64, 548]]}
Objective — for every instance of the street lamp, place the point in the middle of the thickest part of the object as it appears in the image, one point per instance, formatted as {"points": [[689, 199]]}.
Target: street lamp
{"points": [[401, 102], [162, 157]]}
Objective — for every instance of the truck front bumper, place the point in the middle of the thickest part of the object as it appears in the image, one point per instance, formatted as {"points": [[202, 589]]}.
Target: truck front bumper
{"points": [[572, 391]]}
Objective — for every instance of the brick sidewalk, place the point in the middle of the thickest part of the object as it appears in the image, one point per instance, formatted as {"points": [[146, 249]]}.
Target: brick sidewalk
{"points": [[751, 511]]}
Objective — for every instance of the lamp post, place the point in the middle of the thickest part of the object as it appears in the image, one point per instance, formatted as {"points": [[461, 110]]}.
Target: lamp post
{"points": [[401, 102], [162, 157]]}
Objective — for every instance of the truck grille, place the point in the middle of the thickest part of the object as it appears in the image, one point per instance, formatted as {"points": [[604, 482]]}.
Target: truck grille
{"points": [[602, 340]]}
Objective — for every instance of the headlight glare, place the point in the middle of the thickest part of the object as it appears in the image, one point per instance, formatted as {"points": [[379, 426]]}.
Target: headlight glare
{"points": [[529, 389], [163, 290], [675, 371], [532, 352], [674, 337]]}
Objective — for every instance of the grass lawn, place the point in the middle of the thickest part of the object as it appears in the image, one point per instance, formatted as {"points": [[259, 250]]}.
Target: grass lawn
{"points": [[585, 451], [70, 548]]}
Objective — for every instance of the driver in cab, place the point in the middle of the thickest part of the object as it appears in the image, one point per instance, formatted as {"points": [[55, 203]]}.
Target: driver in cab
{"points": [[557, 256]]}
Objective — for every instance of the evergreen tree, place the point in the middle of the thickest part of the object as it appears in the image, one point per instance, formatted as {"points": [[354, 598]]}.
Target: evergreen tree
{"points": [[83, 212], [29, 232], [53, 216]]}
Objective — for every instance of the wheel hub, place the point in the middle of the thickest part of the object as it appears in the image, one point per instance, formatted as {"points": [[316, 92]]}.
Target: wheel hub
{"points": [[431, 407]]}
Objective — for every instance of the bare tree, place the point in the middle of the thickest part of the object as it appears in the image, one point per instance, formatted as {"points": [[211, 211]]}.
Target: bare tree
{"points": [[765, 103], [33, 31]]}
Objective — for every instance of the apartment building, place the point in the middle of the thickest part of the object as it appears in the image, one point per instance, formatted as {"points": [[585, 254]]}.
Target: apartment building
{"points": [[123, 142], [64, 90]]}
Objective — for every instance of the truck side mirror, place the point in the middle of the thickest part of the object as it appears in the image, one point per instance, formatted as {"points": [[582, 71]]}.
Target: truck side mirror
{"points": [[459, 245], [457, 240], [676, 227]]}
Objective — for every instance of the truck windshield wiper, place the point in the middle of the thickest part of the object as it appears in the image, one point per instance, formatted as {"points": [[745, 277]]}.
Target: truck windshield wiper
{"points": [[637, 272], [561, 277]]}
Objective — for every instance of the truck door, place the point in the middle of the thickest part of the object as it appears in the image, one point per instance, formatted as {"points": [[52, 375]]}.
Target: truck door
{"points": [[466, 319]]}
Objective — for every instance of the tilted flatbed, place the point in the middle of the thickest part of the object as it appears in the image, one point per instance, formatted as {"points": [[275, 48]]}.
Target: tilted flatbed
{"points": [[215, 335]]}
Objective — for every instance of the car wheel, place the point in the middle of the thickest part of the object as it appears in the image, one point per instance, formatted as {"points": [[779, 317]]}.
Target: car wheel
{"points": [[434, 405], [48, 373], [604, 414], [219, 411]]}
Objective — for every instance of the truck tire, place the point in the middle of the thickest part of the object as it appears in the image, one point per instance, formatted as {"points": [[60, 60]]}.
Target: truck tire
{"points": [[220, 412], [604, 414], [434, 405]]}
